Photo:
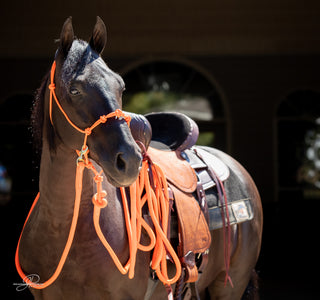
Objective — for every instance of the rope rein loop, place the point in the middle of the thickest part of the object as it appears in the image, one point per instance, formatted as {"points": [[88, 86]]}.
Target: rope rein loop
{"points": [[150, 187]]}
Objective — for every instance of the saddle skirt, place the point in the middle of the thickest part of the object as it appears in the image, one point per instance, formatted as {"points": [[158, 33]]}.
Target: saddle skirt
{"points": [[193, 227]]}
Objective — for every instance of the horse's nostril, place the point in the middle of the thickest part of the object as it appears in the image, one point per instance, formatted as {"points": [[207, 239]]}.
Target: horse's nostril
{"points": [[120, 163]]}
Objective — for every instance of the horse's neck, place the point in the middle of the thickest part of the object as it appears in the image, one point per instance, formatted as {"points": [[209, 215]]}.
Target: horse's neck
{"points": [[48, 226], [57, 183], [57, 193]]}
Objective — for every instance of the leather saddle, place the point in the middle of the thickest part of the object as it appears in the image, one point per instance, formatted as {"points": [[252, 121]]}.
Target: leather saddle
{"points": [[170, 138]]}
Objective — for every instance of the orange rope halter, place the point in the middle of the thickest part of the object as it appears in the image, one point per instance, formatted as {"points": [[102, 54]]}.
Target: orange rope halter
{"points": [[141, 192]]}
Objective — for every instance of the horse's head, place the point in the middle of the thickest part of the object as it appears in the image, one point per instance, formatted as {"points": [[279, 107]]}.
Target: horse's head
{"points": [[86, 89]]}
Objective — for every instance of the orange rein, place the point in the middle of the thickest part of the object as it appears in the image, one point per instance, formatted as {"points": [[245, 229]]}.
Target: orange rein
{"points": [[140, 192]]}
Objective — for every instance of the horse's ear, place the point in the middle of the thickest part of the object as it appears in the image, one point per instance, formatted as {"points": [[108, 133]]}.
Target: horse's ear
{"points": [[99, 36], [66, 36]]}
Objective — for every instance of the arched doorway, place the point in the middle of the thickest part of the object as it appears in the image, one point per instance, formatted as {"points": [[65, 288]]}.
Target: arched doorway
{"points": [[164, 85], [298, 175], [298, 134]]}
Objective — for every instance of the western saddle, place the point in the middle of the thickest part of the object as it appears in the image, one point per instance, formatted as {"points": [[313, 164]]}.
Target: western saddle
{"points": [[190, 170]]}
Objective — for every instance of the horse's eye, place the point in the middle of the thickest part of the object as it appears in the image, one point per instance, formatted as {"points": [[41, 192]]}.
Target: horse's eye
{"points": [[74, 91]]}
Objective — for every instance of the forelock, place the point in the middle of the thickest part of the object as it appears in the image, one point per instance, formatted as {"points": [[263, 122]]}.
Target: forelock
{"points": [[80, 54]]}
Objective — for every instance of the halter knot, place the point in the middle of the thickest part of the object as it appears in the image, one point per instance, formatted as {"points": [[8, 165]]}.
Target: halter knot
{"points": [[127, 118], [98, 178], [88, 131], [103, 118], [99, 199], [52, 86], [119, 114]]}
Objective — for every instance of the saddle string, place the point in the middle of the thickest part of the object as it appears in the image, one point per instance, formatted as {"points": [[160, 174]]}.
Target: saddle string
{"points": [[156, 197], [226, 227], [225, 220]]}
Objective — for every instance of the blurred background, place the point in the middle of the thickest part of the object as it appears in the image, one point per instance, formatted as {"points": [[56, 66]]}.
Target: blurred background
{"points": [[248, 72]]}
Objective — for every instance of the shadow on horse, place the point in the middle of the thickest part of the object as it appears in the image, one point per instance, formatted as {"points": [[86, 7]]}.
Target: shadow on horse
{"points": [[86, 89]]}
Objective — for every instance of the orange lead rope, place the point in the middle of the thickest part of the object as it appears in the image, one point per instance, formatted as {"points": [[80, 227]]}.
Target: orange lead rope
{"points": [[141, 192], [68, 243], [159, 211]]}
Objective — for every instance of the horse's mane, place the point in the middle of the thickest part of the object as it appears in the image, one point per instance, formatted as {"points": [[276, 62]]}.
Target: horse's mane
{"points": [[37, 114]]}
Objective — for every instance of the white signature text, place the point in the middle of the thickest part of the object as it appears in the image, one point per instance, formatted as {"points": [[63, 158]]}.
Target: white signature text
{"points": [[34, 278]]}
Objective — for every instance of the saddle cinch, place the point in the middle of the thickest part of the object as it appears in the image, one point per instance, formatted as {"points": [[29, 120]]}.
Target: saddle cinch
{"points": [[170, 139]]}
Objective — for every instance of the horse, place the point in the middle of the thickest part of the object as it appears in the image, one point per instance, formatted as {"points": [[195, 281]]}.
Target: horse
{"points": [[87, 88]]}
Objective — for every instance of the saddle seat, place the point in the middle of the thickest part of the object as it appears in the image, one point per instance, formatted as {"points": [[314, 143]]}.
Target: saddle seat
{"points": [[172, 131]]}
